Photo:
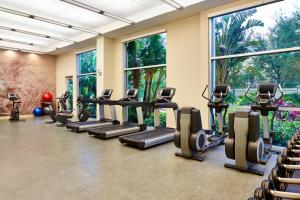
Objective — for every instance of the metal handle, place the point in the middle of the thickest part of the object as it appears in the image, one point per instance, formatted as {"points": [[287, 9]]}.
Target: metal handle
{"points": [[281, 93], [205, 96], [246, 94]]}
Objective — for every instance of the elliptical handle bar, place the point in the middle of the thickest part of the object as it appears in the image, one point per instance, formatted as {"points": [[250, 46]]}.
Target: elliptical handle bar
{"points": [[246, 94], [205, 96], [281, 93]]}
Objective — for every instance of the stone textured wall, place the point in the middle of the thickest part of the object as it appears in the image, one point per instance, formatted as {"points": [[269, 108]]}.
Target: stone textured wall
{"points": [[28, 75]]}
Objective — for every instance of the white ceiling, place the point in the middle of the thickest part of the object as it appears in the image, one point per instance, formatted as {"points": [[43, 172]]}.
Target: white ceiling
{"points": [[89, 23]]}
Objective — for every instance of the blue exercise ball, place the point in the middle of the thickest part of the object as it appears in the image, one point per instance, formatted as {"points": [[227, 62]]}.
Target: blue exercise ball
{"points": [[38, 111]]}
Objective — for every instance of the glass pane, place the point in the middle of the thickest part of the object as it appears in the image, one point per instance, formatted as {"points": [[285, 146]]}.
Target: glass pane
{"points": [[146, 51], [253, 30], [149, 82], [283, 69], [87, 62], [70, 89], [87, 88]]}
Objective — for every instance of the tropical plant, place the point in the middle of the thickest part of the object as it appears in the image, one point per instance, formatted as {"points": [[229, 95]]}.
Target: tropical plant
{"points": [[234, 35], [146, 51]]}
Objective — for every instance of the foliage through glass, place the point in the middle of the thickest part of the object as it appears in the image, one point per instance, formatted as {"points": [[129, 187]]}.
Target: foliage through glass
{"points": [[253, 31], [87, 80], [147, 51]]}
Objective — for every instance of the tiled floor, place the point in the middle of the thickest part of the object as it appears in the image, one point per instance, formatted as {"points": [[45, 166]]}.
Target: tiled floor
{"points": [[42, 162]]}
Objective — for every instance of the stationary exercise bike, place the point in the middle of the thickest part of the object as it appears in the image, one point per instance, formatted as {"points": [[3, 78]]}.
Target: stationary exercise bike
{"points": [[62, 105], [64, 116], [15, 110], [190, 137]]}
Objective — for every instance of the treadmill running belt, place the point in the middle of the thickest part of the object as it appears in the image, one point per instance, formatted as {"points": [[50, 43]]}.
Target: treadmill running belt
{"points": [[111, 128], [149, 134], [76, 124], [149, 138]]}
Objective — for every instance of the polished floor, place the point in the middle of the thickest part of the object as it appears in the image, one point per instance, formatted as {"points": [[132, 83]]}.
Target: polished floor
{"points": [[43, 162]]}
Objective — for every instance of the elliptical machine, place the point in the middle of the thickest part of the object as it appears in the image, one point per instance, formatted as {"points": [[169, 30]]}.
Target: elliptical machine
{"points": [[265, 103], [62, 105], [190, 137], [244, 144], [15, 110]]}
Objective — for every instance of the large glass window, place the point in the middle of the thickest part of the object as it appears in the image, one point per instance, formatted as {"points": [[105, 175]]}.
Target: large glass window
{"points": [[87, 77], [250, 46], [70, 89], [146, 71]]}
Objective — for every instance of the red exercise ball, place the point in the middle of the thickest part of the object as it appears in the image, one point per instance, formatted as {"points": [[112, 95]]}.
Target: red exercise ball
{"points": [[47, 97]]}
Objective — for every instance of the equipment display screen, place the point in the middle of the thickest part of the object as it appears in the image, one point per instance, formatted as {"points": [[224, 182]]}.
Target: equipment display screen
{"points": [[166, 92], [130, 92]]}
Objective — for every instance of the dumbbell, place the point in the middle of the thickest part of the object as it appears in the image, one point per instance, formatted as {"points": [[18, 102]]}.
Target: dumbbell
{"points": [[268, 192], [293, 144], [281, 180], [286, 166]]}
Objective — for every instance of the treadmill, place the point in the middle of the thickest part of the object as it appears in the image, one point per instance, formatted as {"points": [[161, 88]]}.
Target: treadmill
{"points": [[103, 100], [159, 134], [126, 127]]}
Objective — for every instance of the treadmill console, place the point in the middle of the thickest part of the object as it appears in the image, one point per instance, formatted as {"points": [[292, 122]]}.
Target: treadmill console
{"points": [[132, 93], [106, 94], [166, 93]]}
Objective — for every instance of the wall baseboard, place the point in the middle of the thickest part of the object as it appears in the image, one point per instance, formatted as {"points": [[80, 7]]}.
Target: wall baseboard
{"points": [[21, 117]]}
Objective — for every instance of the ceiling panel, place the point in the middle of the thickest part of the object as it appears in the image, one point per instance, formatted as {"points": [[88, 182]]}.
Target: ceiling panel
{"points": [[58, 10]]}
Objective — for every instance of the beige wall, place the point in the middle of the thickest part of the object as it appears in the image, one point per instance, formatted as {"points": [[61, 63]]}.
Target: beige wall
{"points": [[184, 71], [187, 59]]}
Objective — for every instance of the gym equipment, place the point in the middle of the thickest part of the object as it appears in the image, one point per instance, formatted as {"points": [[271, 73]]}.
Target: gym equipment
{"points": [[243, 143], [268, 192], [38, 111], [47, 97], [281, 181], [82, 104], [61, 105], [64, 116], [265, 103], [284, 179], [103, 100], [15, 110], [126, 127], [158, 135], [190, 137], [46, 110]]}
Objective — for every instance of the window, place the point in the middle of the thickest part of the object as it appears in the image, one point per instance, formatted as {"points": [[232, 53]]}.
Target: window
{"points": [[87, 77], [146, 71], [70, 89], [249, 47]]}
